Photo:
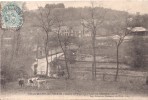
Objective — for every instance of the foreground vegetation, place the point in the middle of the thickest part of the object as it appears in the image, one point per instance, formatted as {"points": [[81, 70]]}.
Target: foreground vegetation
{"points": [[124, 87]]}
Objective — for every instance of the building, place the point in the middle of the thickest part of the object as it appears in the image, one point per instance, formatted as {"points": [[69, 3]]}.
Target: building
{"points": [[141, 31], [76, 31]]}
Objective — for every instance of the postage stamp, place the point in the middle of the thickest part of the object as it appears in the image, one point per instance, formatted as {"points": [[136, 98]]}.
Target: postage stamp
{"points": [[12, 14]]}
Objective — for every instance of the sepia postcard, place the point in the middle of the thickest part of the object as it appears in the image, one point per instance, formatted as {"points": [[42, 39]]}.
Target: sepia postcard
{"points": [[74, 50]]}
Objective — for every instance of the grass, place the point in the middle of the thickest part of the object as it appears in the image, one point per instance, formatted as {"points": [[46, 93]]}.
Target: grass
{"points": [[73, 86], [81, 83]]}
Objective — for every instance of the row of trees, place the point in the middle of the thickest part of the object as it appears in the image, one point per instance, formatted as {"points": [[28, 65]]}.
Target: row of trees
{"points": [[92, 19], [55, 19]]}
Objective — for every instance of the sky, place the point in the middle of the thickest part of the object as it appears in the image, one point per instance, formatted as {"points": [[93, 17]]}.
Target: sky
{"points": [[131, 6]]}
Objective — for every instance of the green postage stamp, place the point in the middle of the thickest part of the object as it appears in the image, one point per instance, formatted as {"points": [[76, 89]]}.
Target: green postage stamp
{"points": [[11, 14]]}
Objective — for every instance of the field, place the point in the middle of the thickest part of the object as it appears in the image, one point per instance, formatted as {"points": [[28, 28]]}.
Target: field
{"points": [[129, 83], [82, 87]]}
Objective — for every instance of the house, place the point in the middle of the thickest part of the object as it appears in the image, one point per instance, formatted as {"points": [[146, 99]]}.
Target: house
{"points": [[40, 66], [76, 31], [141, 31]]}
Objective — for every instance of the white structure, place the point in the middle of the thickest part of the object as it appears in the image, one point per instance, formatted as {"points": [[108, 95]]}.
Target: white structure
{"points": [[42, 65]]}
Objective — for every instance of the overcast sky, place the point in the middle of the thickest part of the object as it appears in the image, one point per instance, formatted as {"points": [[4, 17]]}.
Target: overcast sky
{"points": [[131, 6]]}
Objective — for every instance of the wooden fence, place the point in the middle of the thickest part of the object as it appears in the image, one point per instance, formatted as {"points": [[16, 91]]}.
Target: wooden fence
{"points": [[102, 73]]}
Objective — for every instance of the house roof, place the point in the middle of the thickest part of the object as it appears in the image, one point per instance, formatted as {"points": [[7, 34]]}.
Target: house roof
{"points": [[139, 29]]}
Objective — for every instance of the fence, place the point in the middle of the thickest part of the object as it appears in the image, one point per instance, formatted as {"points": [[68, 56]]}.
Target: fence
{"points": [[83, 70], [103, 73], [109, 74]]}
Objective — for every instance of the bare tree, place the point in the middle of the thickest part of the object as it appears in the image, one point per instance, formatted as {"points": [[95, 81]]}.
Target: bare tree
{"points": [[18, 41], [120, 29], [46, 22], [63, 39], [92, 24]]}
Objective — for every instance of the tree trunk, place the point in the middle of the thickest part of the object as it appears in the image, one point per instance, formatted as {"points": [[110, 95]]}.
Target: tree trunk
{"points": [[18, 44], [66, 62], [51, 55], [94, 64], [56, 52], [94, 59], [117, 71], [93, 71], [37, 56], [46, 54], [46, 61], [65, 56]]}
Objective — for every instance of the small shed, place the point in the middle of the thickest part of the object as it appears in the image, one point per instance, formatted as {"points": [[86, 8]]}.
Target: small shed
{"points": [[140, 31]]}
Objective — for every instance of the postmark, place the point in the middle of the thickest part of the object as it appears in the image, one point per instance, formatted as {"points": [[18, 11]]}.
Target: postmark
{"points": [[12, 15]]}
